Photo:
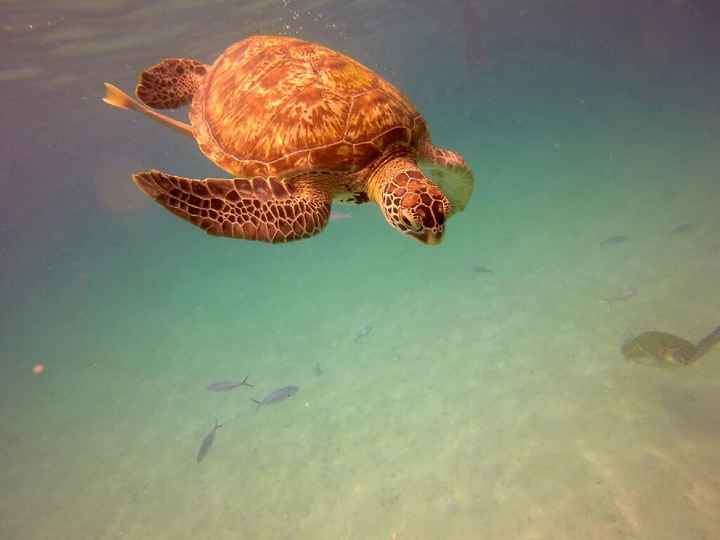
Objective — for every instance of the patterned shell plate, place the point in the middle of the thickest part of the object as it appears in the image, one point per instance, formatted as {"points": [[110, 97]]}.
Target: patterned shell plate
{"points": [[275, 105]]}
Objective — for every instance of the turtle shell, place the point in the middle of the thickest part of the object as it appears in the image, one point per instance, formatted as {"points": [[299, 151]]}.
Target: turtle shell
{"points": [[281, 106], [660, 349]]}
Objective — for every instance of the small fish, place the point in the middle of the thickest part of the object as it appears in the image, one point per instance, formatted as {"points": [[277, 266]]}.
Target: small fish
{"points": [[625, 294], [280, 394], [614, 240], [224, 386], [482, 270], [363, 333], [336, 216], [207, 442], [685, 227]]}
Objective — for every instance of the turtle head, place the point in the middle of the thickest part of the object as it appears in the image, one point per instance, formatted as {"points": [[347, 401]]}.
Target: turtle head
{"points": [[414, 205]]}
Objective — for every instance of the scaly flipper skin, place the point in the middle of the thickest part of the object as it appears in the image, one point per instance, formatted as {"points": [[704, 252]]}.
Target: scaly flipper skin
{"points": [[171, 83], [264, 209], [444, 157]]}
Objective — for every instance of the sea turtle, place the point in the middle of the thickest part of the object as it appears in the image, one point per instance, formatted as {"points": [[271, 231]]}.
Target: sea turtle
{"points": [[298, 125], [663, 349], [659, 348]]}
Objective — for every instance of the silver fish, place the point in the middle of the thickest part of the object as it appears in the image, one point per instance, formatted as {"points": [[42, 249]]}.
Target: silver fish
{"points": [[224, 386], [277, 395], [614, 240], [625, 294], [363, 333], [207, 442], [683, 228], [482, 270]]}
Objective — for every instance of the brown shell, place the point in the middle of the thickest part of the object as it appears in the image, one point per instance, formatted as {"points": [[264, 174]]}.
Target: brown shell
{"points": [[659, 348], [280, 106]]}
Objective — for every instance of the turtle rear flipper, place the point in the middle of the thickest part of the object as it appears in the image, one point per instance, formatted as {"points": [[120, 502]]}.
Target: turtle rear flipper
{"points": [[263, 209], [117, 98], [171, 83]]}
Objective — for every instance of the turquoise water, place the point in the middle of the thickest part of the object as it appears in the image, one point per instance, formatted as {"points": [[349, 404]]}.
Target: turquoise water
{"points": [[436, 401]]}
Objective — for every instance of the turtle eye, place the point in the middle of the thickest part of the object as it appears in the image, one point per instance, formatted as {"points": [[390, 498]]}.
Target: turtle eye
{"points": [[413, 222]]}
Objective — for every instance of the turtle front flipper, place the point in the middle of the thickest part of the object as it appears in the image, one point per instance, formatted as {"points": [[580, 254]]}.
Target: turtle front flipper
{"points": [[264, 209], [171, 83], [450, 172]]}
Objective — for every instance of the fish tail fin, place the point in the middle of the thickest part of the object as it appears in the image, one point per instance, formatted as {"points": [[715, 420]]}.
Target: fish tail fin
{"points": [[259, 403], [245, 383]]}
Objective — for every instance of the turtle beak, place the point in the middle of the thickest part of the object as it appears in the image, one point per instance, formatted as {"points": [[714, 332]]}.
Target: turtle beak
{"points": [[428, 238]]}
